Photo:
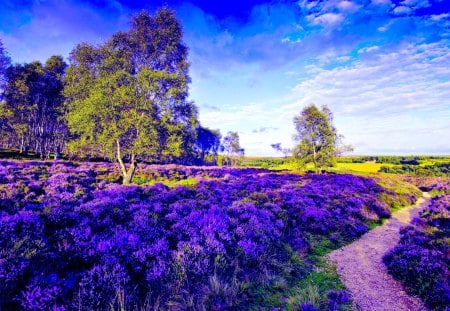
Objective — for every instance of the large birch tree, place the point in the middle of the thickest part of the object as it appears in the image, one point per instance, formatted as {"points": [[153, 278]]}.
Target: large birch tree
{"points": [[127, 98]]}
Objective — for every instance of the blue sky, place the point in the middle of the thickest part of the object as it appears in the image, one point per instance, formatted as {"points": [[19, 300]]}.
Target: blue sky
{"points": [[382, 66]]}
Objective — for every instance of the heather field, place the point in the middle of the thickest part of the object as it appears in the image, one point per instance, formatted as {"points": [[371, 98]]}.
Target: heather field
{"points": [[195, 238]]}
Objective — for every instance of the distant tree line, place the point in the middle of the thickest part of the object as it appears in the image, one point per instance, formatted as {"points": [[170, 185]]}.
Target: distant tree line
{"points": [[437, 169], [398, 160], [125, 99]]}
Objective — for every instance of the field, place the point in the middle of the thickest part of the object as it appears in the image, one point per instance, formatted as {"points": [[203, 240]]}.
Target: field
{"points": [[364, 168], [229, 238], [408, 165]]}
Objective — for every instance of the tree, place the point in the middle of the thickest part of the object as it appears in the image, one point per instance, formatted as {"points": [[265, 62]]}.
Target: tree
{"points": [[52, 119], [127, 98], [208, 142], [278, 148], [317, 137], [34, 106], [231, 147]]}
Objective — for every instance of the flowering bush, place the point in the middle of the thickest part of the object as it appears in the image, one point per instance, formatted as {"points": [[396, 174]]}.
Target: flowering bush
{"points": [[421, 259], [72, 239], [434, 185]]}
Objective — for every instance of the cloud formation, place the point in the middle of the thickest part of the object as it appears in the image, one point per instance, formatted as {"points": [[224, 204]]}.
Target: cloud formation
{"points": [[382, 66], [390, 97]]}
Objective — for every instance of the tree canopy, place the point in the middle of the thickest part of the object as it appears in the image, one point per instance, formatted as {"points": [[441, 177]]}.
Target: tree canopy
{"points": [[127, 98], [317, 138], [33, 109], [208, 142]]}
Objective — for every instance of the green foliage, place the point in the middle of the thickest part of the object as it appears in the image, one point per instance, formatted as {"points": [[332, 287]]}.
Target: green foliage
{"points": [[208, 144], [317, 137], [127, 98], [142, 179], [437, 169], [312, 289], [353, 159], [321, 245], [31, 117], [265, 163]]}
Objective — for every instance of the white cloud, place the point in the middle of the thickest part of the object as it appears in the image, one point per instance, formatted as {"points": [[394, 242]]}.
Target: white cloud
{"points": [[391, 100], [348, 6], [247, 117], [440, 17], [381, 2], [369, 49], [307, 4], [400, 10], [409, 2], [327, 19], [416, 4]]}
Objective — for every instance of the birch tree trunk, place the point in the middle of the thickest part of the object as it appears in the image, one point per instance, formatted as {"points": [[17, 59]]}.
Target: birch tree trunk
{"points": [[127, 174]]}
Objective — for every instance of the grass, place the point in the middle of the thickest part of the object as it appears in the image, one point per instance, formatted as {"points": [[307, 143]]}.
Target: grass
{"points": [[376, 223], [187, 182], [321, 246], [314, 288], [402, 189]]}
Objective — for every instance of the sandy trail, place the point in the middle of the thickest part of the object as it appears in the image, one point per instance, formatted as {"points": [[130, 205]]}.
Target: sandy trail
{"points": [[361, 268]]}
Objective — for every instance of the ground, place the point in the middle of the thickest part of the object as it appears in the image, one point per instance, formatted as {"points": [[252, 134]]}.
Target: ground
{"points": [[361, 268]]}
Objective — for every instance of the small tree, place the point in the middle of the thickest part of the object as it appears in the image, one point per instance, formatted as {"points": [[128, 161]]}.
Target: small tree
{"points": [[208, 142], [278, 148], [231, 147], [317, 137]]}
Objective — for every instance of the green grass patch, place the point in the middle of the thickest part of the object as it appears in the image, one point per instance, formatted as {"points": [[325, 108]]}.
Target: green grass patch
{"points": [[312, 288], [320, 246], [315, 287], [188, 182], [376, 223]]}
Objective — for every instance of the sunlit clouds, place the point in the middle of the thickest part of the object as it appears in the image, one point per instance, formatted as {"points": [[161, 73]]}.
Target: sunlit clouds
{"points": [[381, 66]]}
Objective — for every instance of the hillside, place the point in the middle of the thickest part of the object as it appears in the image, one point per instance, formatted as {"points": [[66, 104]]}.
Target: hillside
{"points": [[232, 238]]}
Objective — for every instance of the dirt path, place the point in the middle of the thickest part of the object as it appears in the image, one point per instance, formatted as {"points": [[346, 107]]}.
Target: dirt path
{"points": [[361, 268]]}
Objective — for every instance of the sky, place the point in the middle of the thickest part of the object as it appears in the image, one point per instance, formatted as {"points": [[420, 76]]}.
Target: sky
{"points": [[381, 66]]}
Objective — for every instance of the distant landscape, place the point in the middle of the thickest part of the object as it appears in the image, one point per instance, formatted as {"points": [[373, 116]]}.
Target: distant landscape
{"points": [[114, 195]]}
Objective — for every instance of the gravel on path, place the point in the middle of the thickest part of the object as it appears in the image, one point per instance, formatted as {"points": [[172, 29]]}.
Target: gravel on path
{"points": [[361, 268]]}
